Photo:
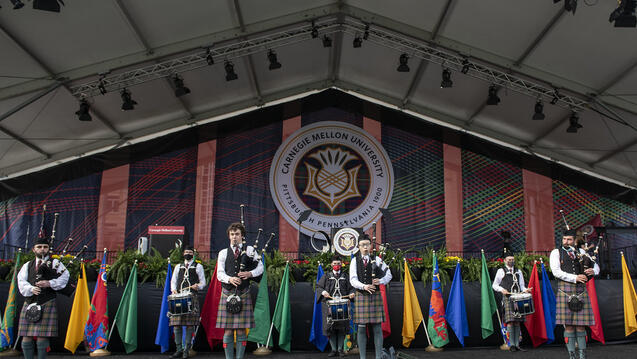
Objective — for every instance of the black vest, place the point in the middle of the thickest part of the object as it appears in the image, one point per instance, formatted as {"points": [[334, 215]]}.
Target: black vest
{"points": [[192, 275], [364, 272], [45, 273], [507, 280], [232, 269], [569, 265]]}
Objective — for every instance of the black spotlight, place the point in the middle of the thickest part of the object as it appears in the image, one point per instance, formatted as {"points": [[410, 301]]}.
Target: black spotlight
{"points": [[465, 66], [314, 31], [209, 58], [230, 74], [570, 5], [624, 15], [83, 113], [573, 123], [446, 79], [327, 41], [358, 42], [127, 102], [539, 111], [366, 33], [17, 4], [556, 97], [180, 89], [47, 5], [274, 62], [403, 67], [102, 87], [493, 98]]}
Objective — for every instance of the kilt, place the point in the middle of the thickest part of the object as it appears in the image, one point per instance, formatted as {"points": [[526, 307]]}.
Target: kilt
{"points": [[241, 320], [507, 304], [564, 315], [368, 308], [47, 326], [340, 326], [190, 319]]}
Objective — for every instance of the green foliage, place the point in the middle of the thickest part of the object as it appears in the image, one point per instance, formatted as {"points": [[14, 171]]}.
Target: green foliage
{"points": [[276, 267], [120, 270], [445, 265]]}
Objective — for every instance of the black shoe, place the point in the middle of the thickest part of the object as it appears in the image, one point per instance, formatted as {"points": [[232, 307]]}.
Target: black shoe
{"points": [[332, 354], [185, 353], [177, 354], [513, 348], [520, 349], [341, 354]]}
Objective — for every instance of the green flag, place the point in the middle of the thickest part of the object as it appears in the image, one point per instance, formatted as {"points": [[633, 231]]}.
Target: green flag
{"points": [[282, 317], [6, 331], [126, 317], [487, 301], [259, 333]]}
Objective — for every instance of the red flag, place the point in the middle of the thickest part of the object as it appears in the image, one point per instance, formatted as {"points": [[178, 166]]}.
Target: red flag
{"points": [[386, 325], [534, 323], [597, 332], [209, 312], [96, 329], [589, 227]]}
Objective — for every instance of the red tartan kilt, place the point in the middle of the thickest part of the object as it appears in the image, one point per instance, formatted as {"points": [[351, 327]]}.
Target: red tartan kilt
{"points": [[368, 308], [47, 326], [241, 320]]}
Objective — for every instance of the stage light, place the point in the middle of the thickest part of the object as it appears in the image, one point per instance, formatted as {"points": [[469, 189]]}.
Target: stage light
{"points": [[556, 97], [314, 31], [83, 113], [47, 5], [358, 42], [570, 5], [573, 123], [403, 67], [127, 101], [624, 15], [209, 59], [274, 62], [102, 87], [230, 74], [465, 66], [493, 98], [17, 4], [446, 79], [366, 33], [539, 111], [327, 41], [180, 89]]}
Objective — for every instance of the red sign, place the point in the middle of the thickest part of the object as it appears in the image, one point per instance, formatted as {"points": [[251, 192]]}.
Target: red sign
{"points": [[166, 230]]}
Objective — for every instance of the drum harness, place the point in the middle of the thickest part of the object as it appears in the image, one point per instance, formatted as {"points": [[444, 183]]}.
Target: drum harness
{"points": [[516, 309]]}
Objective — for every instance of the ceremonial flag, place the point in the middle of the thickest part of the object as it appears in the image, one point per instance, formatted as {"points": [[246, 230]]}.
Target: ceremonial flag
{"points": [[412, 315], [386, 325], [8, 319], [162, 337], [548, 301], [597, 332], [630, 300], [437, 325], [126, 316], [535, 324], [214, 335], [456, 308], [316, 332], [79, 313], [262, 322], [96, 331], [282, 317], [487, 301]]}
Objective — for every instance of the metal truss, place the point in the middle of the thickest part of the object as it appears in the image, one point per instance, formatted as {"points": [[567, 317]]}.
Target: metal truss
{"points": [[432, 53]]}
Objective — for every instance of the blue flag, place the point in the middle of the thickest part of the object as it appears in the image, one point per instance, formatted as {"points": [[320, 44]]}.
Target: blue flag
{"points": [[548, 298], [316, 332], [162, 338], [456, 309]]}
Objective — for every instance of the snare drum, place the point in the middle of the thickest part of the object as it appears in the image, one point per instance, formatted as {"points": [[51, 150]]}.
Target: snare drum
{"points": [[180, 304], [522, 304], [338, 310]]}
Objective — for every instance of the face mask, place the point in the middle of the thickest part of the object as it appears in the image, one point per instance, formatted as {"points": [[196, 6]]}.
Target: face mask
{"points": [[336, 268], [187, 257]]}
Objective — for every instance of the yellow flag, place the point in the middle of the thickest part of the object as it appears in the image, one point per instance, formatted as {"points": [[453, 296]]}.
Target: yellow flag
{"points": [[630, 301], [79, 313], [412, 315]]}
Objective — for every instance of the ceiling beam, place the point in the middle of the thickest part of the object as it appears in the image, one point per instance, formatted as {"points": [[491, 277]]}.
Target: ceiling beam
{"points": [[249, 63], [540, 37], [614, 152], [557, 125], [30, 145], [475, 113], [615, 80]]}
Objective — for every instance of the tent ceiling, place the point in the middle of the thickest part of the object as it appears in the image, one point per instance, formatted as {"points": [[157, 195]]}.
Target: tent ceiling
{"points": [[580, 54]]}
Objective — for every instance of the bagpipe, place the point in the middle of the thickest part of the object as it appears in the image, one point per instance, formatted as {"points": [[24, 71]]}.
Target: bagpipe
{"points": [[585, 259]]}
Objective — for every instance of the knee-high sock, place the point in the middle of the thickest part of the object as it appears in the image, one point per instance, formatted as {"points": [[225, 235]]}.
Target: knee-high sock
{"points": [[241, 345], [334, 341], [28, 349], [514, 335], [340, 340], [570, 338], [188, 340], [378, 339], [42, 344], [581, 340], [228, 346], [178, 334], [362, 340]]}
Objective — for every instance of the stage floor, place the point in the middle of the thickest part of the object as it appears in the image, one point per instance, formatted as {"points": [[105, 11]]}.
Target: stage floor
{"points": [[594, 351]]}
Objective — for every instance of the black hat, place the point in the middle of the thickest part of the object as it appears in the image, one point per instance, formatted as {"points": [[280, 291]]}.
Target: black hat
{"points": [[187, 247], [569, 233], [41, 240]]}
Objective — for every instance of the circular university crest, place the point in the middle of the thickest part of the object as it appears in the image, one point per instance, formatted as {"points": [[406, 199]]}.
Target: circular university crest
{"points": [[335, 169], [346, 241]]}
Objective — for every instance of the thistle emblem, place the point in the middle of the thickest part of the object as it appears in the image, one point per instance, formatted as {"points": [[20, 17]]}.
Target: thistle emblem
{"points": [[332, 184]]}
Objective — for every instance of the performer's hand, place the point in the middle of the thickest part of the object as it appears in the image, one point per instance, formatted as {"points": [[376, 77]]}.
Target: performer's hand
{"points": [[589, 271], [36, 290], [236, 281], [581, 278], [505, 292], [370, 288], [376, 281], [325, 294], [245, 275], [351, 296], [174, 292], [528, 290], [43, 284]]}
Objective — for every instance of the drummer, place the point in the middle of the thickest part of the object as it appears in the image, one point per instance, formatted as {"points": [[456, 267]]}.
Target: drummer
{"points": [[507, 283], [332, 285], [187, 278]]}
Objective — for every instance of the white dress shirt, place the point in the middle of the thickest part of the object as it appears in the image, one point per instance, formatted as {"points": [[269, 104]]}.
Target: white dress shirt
{"points": [[353, 275], [200, 282], [56, 284], [556, 267], [221, 263], [499, 275]]}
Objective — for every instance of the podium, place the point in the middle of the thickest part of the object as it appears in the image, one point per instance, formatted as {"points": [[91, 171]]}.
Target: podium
{"points": [[165, 238]]}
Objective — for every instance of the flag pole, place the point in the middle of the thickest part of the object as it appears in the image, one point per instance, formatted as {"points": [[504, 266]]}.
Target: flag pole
{"points": [[430, 347], [265, 350]]}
